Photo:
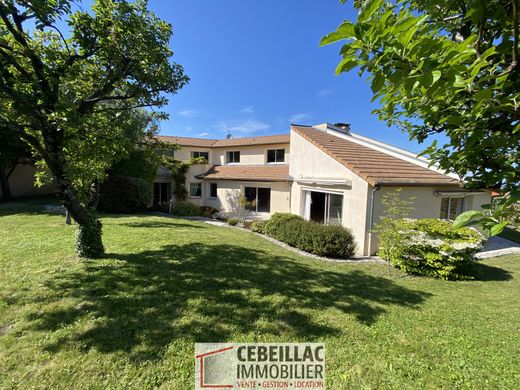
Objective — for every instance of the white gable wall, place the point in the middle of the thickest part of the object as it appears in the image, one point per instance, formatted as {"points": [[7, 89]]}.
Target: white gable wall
{"points": [[309, 162]]}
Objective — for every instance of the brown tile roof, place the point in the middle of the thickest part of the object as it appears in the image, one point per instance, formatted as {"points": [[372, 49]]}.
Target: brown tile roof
{"points": [[260, 140], [213, 143], [187, 141], [374, 166], [247, 172]]}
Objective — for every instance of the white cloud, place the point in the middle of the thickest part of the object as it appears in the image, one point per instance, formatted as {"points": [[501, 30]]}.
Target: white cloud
{"points": [[299, 118], [205, 134], [239, 126], [188, 113], [248, 110], [324, 92]]}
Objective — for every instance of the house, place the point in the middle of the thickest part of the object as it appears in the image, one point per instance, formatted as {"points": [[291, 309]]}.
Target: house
{"points": [[323, 173]]}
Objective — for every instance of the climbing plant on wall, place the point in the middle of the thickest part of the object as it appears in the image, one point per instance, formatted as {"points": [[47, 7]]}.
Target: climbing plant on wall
{"points": [[178, 170]]}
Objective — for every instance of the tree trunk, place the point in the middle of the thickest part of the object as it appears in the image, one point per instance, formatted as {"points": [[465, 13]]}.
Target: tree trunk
{"points": [[89, 235], [4, 184]]}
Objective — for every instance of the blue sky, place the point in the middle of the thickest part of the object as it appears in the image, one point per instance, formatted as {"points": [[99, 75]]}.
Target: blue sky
{"points": [[256, 66]]}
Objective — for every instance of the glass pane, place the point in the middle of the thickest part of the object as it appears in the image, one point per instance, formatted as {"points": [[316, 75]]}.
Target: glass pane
{"points": [[335, 208], [271, 156], [213, 190], [444, 208], [205, 155], [195, 189], [250, 195], [456, 207], [264, 200], [280, 155]]}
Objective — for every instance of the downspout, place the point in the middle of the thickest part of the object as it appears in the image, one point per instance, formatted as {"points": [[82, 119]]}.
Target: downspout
{"points": [[371, 218]]}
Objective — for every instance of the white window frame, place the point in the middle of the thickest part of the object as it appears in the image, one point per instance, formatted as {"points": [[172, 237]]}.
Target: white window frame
{"points": [[306, 196], [449, 205], [189, 190], [192, 154], [232, 151], [274, 162]]}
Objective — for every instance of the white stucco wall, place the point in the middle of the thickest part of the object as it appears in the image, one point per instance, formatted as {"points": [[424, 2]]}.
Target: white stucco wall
{"points": [[249, 155], [229, 192], [307, 161]]}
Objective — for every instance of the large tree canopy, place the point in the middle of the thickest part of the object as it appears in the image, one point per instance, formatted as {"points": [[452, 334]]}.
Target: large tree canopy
{"points": [[69, 79], [445, 66]]}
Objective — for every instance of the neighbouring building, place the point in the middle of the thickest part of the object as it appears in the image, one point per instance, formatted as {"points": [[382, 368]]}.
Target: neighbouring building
{"points": [[324, 173]]}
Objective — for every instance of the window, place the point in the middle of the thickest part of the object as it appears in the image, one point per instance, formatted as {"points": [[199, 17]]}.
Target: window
{"points": [[259, 199], [195, 190], [451, 207], [165, 152], [233, 157], [323, 207], [276, 155], [212, 190], [200, 154]]}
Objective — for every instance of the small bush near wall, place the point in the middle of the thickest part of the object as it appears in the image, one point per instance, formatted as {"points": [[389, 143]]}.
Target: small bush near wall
{"points": [[125, 194], [277, 220], [233, 221], [433, 247], [188, 209], [258, 226], [323, 240]]}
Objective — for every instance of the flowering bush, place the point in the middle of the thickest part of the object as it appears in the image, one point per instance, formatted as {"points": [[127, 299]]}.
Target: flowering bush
{"points": [[433, 247]]}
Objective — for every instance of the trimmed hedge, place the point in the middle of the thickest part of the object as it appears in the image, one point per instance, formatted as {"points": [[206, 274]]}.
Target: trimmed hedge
{"points": [[323, 240], [125, 194], [433, 247]]}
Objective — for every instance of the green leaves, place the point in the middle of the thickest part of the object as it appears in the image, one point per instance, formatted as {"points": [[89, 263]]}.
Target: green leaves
{"points": [[346, 30], [347, 63], [466, 218], [429, 83], [368, 9]]}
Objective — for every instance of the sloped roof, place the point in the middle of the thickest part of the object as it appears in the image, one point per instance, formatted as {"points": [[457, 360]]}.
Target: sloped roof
{"points": [[247, 172], [374, 166], [213, 143], [260, 140], [187, 141]]}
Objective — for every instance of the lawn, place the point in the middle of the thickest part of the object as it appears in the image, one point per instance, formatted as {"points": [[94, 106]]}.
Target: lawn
{"points": [[129, 321]]}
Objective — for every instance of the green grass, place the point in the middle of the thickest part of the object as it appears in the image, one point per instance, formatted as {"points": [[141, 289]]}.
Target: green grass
{"points": [[129, 321]]}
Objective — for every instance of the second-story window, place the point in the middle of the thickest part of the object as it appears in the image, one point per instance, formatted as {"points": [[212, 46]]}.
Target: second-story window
{"points": [[204, 155], [233, 157], [276, 155]]}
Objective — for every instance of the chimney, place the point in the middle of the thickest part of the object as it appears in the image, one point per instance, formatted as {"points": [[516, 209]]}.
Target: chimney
{"points": [[343, 126]]}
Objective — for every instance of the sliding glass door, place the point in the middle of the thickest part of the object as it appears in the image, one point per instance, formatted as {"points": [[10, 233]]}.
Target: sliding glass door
{"points": [[323, 207], [258, 198]]}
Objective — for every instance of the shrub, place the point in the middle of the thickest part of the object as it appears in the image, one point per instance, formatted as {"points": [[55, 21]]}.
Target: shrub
{"points": [[207, 211], [220, 216], [258, 226], [233, 221], [433, 247], [322, 240], [186, 209], [125, 194], [277, 220]]}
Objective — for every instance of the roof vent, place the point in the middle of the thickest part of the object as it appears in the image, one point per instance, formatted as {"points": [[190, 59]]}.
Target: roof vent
{"points": [[229, 136]]}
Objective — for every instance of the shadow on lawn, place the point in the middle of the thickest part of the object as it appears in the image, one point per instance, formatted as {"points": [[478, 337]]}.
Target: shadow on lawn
{"points": [[204, 293]]}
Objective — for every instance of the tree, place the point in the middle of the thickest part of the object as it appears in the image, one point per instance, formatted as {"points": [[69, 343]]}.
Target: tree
{"points": [[450, 67], [67, 91], [388, 229], [13, 152]]}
